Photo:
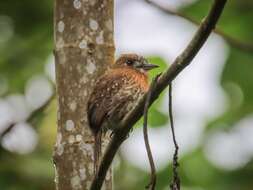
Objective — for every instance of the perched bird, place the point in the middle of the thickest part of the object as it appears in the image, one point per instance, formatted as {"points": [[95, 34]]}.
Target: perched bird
{"points": [[115, 93]]}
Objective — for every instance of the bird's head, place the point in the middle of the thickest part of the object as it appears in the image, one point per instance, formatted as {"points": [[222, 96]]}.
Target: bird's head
{"points": [[134, 61]]}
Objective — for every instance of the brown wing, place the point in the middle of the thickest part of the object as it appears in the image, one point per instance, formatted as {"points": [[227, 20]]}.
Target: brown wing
{"points": [[105, 99]]}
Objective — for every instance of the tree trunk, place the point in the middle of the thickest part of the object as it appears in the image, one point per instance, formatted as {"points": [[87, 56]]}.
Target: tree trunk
{"points": [[84, 48]]}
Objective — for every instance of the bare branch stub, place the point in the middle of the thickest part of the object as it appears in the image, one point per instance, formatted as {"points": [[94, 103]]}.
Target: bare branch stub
{"points": [[182, 61]]}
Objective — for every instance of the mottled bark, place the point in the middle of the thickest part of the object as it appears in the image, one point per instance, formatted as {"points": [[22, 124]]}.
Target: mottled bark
{"points": [[84, 48]]}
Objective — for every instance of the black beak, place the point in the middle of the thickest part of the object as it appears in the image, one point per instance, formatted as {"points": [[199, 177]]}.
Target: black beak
{"points": [[148, 66]]}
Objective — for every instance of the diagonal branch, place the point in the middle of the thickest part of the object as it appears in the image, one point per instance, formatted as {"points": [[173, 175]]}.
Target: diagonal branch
{"points": [[182, 61], [245, 46]]}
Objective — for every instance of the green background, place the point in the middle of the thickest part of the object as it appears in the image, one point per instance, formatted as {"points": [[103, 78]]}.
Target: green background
{"points": [[25, 52]]}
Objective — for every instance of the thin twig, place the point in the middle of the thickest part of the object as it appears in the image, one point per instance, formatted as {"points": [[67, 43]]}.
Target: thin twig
{"points": [[245, 46], [182, 61], [175, 185], [152, 182]]}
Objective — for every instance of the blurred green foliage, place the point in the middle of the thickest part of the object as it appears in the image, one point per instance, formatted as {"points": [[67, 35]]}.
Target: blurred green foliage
{"points": [[26, 41], [24, 53], [26, 35]]}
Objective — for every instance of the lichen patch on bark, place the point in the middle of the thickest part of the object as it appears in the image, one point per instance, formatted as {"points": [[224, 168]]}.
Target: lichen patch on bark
{"points": [[84, 49]]}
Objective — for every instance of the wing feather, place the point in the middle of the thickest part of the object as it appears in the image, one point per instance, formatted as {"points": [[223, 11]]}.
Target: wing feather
{"points": [[104, 99]]}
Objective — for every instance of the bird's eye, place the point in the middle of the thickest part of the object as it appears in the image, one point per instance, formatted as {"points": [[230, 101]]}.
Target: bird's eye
{"points": [[129, 62]]}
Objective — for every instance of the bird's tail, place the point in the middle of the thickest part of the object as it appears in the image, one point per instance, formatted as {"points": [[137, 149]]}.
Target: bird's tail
{"points": [[97, 151]]}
